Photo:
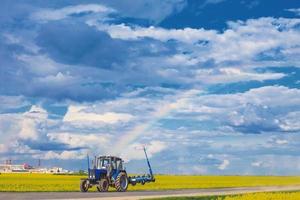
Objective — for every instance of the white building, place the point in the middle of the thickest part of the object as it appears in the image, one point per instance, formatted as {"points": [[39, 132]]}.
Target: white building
{"points": [[12, 168]]}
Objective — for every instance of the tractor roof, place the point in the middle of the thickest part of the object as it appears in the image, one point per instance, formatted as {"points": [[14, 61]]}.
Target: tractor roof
{"points": [[113, 157]]}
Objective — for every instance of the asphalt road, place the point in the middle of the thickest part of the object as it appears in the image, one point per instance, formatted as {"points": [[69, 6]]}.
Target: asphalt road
{"points": [[133, 195]]}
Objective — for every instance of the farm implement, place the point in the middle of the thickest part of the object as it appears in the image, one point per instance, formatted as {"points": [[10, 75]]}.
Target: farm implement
{"points": [[109, 171]]}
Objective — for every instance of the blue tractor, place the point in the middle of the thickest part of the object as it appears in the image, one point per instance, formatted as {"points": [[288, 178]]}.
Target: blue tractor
{"points": [[109, 171]]}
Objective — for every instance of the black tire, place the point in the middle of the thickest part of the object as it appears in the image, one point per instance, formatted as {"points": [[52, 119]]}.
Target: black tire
{"points": [[133, 184], [121, 182], [84, 186], [103, 185]]}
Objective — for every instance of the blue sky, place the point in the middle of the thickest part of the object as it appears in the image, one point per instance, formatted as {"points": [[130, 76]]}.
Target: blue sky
{"points": [[210, 87]]}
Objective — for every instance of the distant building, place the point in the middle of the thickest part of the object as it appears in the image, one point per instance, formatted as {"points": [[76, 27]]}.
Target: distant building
{"points": [[8, 167], [13, 168]]}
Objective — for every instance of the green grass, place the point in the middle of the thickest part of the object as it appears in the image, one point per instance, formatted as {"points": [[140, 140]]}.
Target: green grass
{"points": [[49, 182]]}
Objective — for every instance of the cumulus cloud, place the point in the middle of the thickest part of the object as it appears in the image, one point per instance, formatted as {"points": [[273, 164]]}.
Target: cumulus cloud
{"points": [[125, 32], [290, 121], [30, 125], [87, 140], [79, 114], [65, 155], [245, 40], [255, 111], [252, 44]]}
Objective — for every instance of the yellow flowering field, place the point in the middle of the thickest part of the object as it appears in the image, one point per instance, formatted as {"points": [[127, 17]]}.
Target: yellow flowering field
{"points": [[265, 196], [250, 196], [49, 182]]}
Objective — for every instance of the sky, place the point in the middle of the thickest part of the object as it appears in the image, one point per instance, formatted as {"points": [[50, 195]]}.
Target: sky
{"points": [[208, 86]]}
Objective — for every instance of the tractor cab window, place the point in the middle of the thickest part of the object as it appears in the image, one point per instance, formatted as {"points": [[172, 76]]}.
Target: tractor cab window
{"points": [[114, 164], [119, 165], [103, 163]]}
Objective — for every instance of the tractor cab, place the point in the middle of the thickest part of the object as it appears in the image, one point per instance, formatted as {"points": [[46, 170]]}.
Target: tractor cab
{"points": [[113, 165], [105, 162]]}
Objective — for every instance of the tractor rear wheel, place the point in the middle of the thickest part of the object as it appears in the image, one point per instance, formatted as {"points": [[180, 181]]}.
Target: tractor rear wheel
{"points": [[103, 185], [84, 186], [121, 182]]}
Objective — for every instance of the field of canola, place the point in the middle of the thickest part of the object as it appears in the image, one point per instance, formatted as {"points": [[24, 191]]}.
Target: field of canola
{"points": [[265, 196], [250, 196], [49, 182]]}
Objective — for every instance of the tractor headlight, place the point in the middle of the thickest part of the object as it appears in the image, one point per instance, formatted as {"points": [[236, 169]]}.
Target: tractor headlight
{"points": [[92, 174]]}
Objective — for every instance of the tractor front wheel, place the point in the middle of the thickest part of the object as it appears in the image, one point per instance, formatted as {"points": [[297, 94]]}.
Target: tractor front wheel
{"points": [[103, 185], [121, 183], [84, 185]]}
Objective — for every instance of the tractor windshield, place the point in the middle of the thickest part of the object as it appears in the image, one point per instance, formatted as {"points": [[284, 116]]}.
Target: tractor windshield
{"points": [[103, 163]]}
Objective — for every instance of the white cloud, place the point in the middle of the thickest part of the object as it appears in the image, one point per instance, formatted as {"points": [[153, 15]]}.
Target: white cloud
{"points": [[218, 57], [242, 42], [122, 31], [224, 164], [58, 14], [33, 123], [3, 148], [28, 44], [229, 75], [36, 112], [95, 142], [245, 40], [135, 151], [290, 122], [295, 10], [56, 80], [12, 102], [256, 164], [257, 110], [65, 155], [281, 142], [161, 110], [40, 64], [199, 57], [152, 10], [79, 114], [9, 126], [28, 129]]}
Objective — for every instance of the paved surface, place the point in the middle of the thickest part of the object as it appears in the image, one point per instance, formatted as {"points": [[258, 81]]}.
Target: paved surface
{"points": [[134, 195]]}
